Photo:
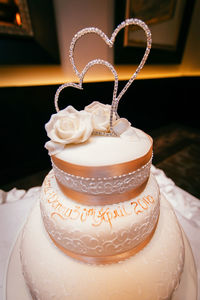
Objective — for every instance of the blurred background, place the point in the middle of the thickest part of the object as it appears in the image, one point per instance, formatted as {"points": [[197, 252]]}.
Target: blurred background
{"points": [[35, 37]]}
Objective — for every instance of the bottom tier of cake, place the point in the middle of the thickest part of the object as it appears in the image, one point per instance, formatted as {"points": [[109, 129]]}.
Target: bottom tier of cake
{"points": [[15, 287], [152, 273]]}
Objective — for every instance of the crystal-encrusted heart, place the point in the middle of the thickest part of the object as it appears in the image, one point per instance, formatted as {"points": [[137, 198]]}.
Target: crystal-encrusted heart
{"points": [[79, 85], [110, 43]]}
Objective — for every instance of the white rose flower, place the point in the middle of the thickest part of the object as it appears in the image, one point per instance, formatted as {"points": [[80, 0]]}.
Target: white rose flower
{"points": [[100, 115], [68, 126]]}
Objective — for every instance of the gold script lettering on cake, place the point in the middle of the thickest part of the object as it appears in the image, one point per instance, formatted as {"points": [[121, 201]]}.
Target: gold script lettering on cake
{"points": [[95, 214]]}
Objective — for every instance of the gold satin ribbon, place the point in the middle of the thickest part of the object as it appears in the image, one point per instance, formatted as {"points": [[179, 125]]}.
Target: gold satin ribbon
{"points": [[101, 199], [106, 259], [103, 171]]}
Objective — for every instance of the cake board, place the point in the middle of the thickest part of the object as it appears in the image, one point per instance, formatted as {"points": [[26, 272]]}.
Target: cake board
{"points": [[15, 287]]}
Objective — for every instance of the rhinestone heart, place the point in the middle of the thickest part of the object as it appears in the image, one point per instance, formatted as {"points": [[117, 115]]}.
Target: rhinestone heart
{"points": [[110, 43]]}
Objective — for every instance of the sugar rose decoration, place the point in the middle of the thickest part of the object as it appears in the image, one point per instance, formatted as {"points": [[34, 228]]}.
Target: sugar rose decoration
{"points": [[101, 119], [66, 127], [100, 115], [70, 126]]}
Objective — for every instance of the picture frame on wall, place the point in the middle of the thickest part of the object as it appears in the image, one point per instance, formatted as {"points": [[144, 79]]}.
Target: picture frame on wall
{"points": [[169, 22], [28, 32], [15, 18]]}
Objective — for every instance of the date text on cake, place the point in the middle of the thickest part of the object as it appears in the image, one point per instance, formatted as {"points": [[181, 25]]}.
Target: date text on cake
{"points": [[95, 215]]}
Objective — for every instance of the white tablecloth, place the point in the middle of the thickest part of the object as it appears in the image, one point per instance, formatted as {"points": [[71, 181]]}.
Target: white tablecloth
{"points": [[16, 204]]}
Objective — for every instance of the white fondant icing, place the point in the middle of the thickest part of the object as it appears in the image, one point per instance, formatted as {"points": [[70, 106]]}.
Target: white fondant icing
{"points": [[105, 150], [152, 273]]}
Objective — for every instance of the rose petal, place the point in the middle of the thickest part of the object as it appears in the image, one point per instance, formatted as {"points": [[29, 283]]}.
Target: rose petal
{"points": [[53, 148], [95, 104], [120, 126], [131, 134], [70, 109]]}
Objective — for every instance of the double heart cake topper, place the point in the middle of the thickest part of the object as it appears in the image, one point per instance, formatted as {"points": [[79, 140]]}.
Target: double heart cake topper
{"points": [[116, 98]]}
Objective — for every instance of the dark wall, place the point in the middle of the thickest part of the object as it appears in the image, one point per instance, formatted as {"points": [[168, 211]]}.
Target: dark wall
{"points": [[148, 104]]}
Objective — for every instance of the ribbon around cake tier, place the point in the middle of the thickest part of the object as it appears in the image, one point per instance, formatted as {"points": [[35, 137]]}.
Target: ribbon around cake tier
{"points": [[101, 185]]}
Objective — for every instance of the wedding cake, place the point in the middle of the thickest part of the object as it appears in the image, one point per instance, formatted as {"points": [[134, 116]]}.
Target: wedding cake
{"points": [[101, 229]]}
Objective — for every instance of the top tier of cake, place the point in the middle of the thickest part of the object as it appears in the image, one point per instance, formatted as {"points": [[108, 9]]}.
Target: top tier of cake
{"points": [[105, 150], [104, 170]]}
